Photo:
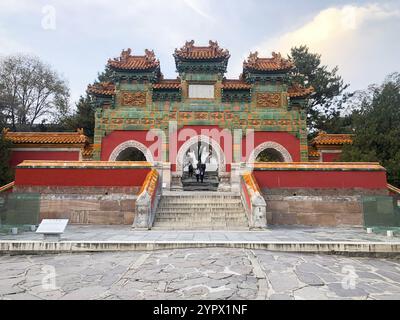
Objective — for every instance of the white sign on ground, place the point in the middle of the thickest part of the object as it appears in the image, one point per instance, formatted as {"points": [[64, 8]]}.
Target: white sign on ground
{"points": [[52, 227]]}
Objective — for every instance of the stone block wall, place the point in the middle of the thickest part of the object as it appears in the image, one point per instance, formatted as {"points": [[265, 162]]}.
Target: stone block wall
{"points": [[87, 205], [89, 209], [314, 207]]}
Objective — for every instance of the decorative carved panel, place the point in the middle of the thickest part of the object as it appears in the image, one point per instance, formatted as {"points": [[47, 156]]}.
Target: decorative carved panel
{"points": [[133, 99], [269, 100]]}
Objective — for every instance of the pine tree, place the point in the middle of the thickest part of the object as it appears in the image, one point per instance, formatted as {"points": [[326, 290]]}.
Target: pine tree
{"points": [[326, 102], [376, 123]]}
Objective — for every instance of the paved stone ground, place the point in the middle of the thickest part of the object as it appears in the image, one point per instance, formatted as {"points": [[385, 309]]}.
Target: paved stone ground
{"points": [[273, 233], [198, 274]]}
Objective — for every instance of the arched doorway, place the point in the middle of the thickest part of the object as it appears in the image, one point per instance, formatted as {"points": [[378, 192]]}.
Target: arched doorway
{"points": [[270, 155], [204, 151], [270, 151], [131, 151], [208, 149], [131, 154]]}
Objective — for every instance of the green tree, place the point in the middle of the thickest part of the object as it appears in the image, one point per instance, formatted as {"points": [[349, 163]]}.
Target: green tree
{"points": [[83, 117], [31, 91], [5, 171], [326, 103], [376, 122]]}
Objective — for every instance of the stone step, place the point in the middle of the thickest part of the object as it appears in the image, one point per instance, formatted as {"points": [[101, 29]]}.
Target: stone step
{"points": [[200, 215], [201, 223], [203, 194], [201, 211], [193, 204], [204, 199], [200, 189], [200, 228], [186, 212], [204, 210]]}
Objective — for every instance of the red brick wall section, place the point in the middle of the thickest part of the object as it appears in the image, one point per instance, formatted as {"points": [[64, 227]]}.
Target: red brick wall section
{"points": [[80, 177], [330, 157], [321, 179]]}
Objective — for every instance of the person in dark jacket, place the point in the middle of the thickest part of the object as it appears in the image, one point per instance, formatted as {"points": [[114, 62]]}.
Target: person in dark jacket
{"points": [[190, 170], [197, 172], [202, 171]]}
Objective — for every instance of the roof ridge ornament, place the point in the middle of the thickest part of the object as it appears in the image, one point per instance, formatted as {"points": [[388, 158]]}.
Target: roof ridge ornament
{"points": [[125, 54], [150, 56]]}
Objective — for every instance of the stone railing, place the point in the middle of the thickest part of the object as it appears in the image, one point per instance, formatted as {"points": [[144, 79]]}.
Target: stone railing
{"points": [[253, 201], [7, 187], [147, 201]]}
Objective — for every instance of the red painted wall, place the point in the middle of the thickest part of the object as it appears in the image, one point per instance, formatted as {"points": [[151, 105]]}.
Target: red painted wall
{"points": [[114, 139], [18, 156], [330, 157], [80, 177], [321, 179], [290, 142]]}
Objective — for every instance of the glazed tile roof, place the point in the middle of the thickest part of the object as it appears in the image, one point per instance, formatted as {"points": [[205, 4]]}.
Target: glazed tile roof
{"points": [[47, 137], [87, 152], [235, 85], [324, 138], [211, 52], [276, 63], [312, 152], [129, 62], [297, 91], [102, 88], [168, 84]]}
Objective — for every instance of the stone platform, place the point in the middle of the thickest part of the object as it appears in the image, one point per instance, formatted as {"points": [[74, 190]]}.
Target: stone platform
{"points": [[285, 239]]}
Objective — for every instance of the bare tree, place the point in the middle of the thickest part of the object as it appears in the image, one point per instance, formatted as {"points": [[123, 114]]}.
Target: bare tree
{"points": [[31, 91]]}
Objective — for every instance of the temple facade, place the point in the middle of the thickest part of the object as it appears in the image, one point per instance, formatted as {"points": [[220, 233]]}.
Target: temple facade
{"points": [[250, 134], [231, 120]]}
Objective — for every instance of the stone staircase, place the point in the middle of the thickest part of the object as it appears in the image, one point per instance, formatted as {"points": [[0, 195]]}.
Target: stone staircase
{"points": [[210, 182], [202, 210]]}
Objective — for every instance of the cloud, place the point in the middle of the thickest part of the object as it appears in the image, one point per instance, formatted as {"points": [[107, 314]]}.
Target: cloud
{"points": [[352, 37], [10, 46], [194, 5]]}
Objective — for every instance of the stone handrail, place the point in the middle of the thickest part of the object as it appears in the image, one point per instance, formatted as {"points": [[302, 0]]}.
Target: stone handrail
{"points": [[253, 201], [147, 201], [7, 187]]}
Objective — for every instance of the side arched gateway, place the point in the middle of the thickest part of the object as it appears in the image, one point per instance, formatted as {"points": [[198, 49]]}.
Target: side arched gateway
{"points": [[131, 148], [277, 152]]}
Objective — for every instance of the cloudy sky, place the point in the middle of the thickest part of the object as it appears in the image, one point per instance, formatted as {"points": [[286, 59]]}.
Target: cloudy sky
{"points": [[78, 36]]}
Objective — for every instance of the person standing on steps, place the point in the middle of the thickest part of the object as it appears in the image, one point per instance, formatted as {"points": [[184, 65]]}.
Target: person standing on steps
{"points": [[197, 172], [190, 170], [202, 171]]}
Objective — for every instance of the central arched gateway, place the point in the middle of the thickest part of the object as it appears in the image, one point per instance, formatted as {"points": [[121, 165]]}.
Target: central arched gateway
{"points": [[217, 159]]}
